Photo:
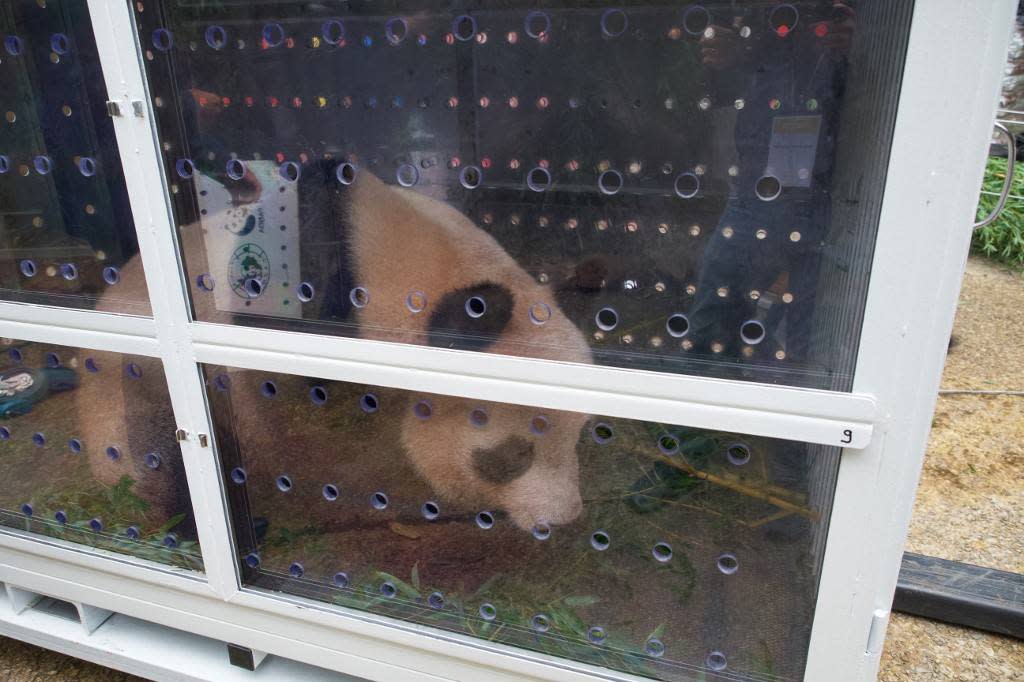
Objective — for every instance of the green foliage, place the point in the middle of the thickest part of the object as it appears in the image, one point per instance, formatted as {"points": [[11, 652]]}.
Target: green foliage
{"points": [[1003, 240]]}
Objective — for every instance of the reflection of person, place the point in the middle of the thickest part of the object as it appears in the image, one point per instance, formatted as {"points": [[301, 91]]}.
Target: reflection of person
{"points": [[208, 107], [762, 261]]}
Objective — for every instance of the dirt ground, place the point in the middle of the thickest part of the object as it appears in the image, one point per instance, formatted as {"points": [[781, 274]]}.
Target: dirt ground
{"points": [[970, 506]]}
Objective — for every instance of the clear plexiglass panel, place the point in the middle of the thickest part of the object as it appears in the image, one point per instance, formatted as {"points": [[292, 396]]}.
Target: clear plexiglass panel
{"points": [[89, 452], [66, 230], [650, 548], [680, 187]]}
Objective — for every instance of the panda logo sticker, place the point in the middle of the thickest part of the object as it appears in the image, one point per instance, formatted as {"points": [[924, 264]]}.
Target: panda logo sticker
{"points": [[249, 271]]}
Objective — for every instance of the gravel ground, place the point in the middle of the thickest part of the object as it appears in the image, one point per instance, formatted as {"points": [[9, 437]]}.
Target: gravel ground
{"points": [[970, 506]]}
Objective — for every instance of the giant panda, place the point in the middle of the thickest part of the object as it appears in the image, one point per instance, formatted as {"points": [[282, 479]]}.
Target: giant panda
{"points": [[473, 295]]}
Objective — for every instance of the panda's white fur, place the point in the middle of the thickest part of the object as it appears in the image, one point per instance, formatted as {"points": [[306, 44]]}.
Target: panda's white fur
{"points": [[399, 242]]}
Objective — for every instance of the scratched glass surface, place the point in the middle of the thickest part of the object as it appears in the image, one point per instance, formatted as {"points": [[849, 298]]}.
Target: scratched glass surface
{"points": [[688, 188], [661, 550], [89, 454], [66, 232]]}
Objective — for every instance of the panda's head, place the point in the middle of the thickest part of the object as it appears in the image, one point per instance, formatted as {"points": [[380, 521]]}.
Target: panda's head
{"points": [[435, 278]]}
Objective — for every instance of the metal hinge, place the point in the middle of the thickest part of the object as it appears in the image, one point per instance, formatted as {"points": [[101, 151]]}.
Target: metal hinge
{"points": [[114, 108], [181, 435], [137, 108], [204, 440], [876, 635]]}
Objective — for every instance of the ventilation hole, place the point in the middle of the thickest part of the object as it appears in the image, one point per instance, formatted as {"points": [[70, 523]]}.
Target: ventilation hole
{"points": [[91, 366], [222, 382], [538, 179], [738, 454], [305, 292], [430, 510], [388, 589], [39, 438], [600, 540], [52, 360], [768, 188], [687, 185], [26, 509], [253, 287], [379, 501], [332, 31], [330, 492], [69, 271], [677, 325], [464, 27], [290, 171], [369, 403], [752, 332], [216, 37], [395, 30], [475, 306], [43, 165], [235, 169], [133, 371], [111, 275], [662, 551], [696, 19], [541, 531], [423, 409], [488, 612], [728, 563], [485, 520], [614, 23], [597, 635], [716, 661], [185, 168], [478, 417], [470, 177], [654, 647], [238, 476], [296, 570], [162, 39], [132, 532], [537, 24], [13, 45], [609, 182], [28, 268], [783, 19], [359, 297], [407, 175], [5, 164], [341, 579], [668, 444], [540, 313], [61, 517], [345, 173], [539, 425], [114, 453], [152, 460], [5, 433], [268, 389], [14, 354], [252, 560], [87, 166], [273, 35], [204, 282], [318, 394], [96, 524], [284, 483], [416, 302], [59, 43], [607, 319], [602, 433], [540, 623]]}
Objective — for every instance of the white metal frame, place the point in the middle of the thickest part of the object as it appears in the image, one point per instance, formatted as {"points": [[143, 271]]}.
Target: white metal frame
{"points": [[946, 109]]}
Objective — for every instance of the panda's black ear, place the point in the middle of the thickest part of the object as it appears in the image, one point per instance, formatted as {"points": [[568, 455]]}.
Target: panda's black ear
{"points": [[471, 318]]}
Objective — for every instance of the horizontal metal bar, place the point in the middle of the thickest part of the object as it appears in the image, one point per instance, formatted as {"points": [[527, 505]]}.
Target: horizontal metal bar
{"points": [[962, 594], [822, 417], [79, 328]]}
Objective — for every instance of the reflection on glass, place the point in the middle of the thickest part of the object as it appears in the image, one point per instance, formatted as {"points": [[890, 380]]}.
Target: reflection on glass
{"points": [[651, 548], [620, 169], [89, 453], [66, 230]]}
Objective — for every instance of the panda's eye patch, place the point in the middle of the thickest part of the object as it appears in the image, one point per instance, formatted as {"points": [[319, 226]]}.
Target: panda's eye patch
{"points": [[471, 318], [505, 462]]}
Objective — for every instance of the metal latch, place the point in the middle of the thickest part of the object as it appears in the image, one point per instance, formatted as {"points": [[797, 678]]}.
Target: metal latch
{"points": [[137, 108], [114, 108], [181, 435]]}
